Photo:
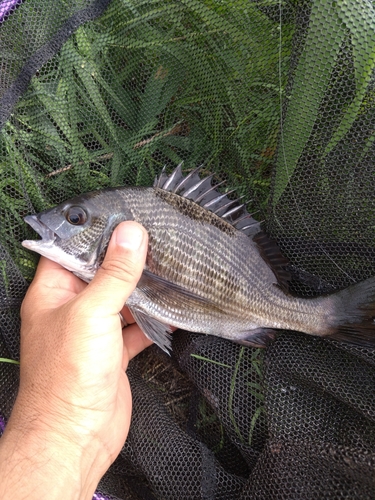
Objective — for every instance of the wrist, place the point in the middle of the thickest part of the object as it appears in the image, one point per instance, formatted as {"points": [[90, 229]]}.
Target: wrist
{"points": [[35, 459]]}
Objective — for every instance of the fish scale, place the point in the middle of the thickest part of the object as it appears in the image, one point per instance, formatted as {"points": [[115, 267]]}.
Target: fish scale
{"points": [[219, 275], [234, 268], [207, 253]]}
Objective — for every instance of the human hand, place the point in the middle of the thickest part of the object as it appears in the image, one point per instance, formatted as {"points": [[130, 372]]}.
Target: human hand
{"points": [[73, 409]]}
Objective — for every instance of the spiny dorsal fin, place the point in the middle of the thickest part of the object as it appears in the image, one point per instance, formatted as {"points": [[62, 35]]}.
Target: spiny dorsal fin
{"points": [[202, 192], [159, 181], [273, 257]]}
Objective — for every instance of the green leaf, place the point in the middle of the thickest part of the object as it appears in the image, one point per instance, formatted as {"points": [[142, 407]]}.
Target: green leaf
{"points": [[159, 90], [11, 361], [359, 18], [86, 70], [324, 37], [254, 419], [231, 395], [202, 358]]}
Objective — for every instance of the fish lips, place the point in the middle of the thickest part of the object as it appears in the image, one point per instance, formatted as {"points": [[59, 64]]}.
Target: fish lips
{"points": [[47, 235]]}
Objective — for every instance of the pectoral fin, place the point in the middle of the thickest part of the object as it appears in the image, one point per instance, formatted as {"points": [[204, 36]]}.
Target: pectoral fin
{"points": [[152, 289], [153, 329], [156, 288]]}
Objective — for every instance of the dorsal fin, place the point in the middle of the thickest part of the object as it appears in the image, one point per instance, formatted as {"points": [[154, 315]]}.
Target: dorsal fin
{"points": [[159, 181], [174, 179], [273, 257], [202, 192]]}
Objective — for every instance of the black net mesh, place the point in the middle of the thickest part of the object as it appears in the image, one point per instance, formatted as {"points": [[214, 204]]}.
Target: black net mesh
{"points": [[278, 99]]}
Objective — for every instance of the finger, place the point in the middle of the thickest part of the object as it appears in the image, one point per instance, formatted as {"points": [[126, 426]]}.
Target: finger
{"points": [[50, 285], [48, 269], [46, 265], [120, 271], [127, 315], [134, 342]]}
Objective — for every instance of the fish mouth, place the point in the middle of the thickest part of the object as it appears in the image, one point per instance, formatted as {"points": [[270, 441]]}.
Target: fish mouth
{"points": [[49, 247], [47, 235]]}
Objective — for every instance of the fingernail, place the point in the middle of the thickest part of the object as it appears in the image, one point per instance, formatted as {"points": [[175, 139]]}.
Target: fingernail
{"points": [[129, 236]]}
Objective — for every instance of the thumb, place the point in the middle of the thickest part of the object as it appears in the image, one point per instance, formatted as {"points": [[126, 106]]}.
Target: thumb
{"points": [[121, 270]]}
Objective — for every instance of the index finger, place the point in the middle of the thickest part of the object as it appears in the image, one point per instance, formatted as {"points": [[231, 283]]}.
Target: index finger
{"points": [[50, 274], [46, 265]]}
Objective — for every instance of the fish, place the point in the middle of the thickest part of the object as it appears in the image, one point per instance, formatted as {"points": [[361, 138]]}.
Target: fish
{"points": [[210, 267]]}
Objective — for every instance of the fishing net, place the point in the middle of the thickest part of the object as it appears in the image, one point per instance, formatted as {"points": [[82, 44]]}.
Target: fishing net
{"points": [[277, 97]]}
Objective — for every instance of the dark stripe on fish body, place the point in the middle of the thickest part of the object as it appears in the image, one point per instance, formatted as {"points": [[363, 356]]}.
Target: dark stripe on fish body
{"points": [[194, 211]]}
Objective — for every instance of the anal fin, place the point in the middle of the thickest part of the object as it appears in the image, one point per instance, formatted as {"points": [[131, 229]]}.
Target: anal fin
{"points": [[259, 337]]}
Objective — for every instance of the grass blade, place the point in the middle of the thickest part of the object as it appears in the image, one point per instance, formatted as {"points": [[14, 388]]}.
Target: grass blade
{"points": [[325, 35], [11, 361], [359, 18]]}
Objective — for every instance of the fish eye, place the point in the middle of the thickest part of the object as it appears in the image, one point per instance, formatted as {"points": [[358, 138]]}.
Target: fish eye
{"points": [[76, 216]]}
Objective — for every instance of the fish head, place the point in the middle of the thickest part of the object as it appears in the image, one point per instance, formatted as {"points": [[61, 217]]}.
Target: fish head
{"points": [[75, 234]]}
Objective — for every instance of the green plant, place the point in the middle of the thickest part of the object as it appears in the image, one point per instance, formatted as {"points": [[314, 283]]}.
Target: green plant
{"points": [[11, 361], [332, 26], [147, 84]]}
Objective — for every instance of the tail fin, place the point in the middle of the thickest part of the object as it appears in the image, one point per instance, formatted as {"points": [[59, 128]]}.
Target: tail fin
{"points": [[356, 314]]}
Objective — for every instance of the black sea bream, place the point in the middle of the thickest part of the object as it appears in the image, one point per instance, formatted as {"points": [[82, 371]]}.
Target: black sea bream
{"points": [[209, 269]]}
